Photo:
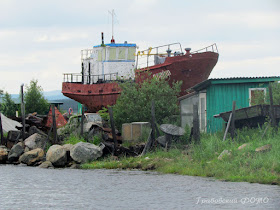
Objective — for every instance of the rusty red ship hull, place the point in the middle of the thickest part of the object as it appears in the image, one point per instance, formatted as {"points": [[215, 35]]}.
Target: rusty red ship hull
{"points": [[189, 68], [93, 96]]}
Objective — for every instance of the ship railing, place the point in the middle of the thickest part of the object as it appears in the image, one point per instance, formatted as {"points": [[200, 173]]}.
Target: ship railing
{"points": [[153, 56], [73, 78], [210, 48], [101, 78], [90, 79], [146, 58]]}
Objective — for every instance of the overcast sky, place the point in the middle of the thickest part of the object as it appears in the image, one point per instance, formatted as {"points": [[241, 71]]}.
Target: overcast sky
{"points": [[42, 39]]}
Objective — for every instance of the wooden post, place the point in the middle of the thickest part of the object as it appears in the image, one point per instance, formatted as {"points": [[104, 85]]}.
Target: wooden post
{"points": [[196, 132], [147, 145], [272, 114], [1, 132], [157, 130], [82, 120], [113, 129], [151, 139], [266, 128], [153, 124], [54, 124], [228, 124], [22, 113], [232, 127]]}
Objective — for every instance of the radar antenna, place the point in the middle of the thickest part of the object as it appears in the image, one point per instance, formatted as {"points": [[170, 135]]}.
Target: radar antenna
{"points": [[113, 14]]}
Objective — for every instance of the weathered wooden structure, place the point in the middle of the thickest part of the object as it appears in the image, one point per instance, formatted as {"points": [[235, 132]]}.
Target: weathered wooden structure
{"points": [[251, 116]]}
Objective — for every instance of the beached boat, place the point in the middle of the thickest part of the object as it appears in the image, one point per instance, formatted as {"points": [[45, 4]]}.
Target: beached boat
{"points": [[105, 65]]}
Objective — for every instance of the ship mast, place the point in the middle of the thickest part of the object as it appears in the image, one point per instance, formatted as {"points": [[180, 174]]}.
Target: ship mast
{"points": [[113, 14]]}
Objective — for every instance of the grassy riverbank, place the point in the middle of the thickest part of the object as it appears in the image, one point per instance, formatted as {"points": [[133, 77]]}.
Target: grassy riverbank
{"points": [[202, 159]]}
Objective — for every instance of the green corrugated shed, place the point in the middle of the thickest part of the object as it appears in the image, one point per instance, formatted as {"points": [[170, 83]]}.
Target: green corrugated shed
{"points": [[220, 93]]}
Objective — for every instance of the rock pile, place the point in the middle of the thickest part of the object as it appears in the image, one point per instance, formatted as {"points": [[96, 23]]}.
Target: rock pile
{"points": [[32, 153]]}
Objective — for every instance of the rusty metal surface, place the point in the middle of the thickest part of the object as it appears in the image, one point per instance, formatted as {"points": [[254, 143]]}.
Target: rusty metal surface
{"points": [[60, 120], [93, 96], [191, 70]]}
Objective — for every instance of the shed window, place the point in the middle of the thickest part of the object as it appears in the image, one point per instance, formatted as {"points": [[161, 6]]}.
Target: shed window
{"points": [[257, 96]]}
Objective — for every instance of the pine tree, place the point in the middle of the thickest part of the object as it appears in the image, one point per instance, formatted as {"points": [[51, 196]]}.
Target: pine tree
{"points": [[8, 106]]}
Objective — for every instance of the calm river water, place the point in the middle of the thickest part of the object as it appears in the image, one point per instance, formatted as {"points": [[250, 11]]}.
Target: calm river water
{"points": [[35, 188]]}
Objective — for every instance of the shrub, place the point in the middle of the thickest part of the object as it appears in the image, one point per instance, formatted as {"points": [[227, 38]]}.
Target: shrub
{"points": [[134, 103]]}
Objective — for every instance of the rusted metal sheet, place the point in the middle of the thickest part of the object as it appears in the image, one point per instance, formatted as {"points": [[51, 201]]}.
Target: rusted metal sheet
{"points": [[191, 70], [93, 96], [60, 120]]}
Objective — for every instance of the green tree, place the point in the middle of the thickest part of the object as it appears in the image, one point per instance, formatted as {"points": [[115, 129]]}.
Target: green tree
{"points": [[1, 94], [8, 106], [275, 86], [134, 103], [34, 99]]}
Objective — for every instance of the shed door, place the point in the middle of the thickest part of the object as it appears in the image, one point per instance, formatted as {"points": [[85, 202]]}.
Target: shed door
{"points": [[202, 111]]}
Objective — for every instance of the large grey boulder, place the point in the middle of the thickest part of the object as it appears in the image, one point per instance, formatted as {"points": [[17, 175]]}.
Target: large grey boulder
{"points": [[16, 151], [224, 154], [85, 152], [68, 147], [14, 135], [32, 157], [264, 148], [161, 140], [3, 154], [57, 155], [36, 141]]}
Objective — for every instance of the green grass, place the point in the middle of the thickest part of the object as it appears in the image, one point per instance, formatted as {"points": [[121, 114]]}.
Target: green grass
{"points": [[5, 135], [73, 139], [202, 159]]}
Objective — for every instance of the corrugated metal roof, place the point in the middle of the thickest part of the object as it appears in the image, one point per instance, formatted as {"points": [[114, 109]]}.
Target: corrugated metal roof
{"points": [[229, 78]]}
